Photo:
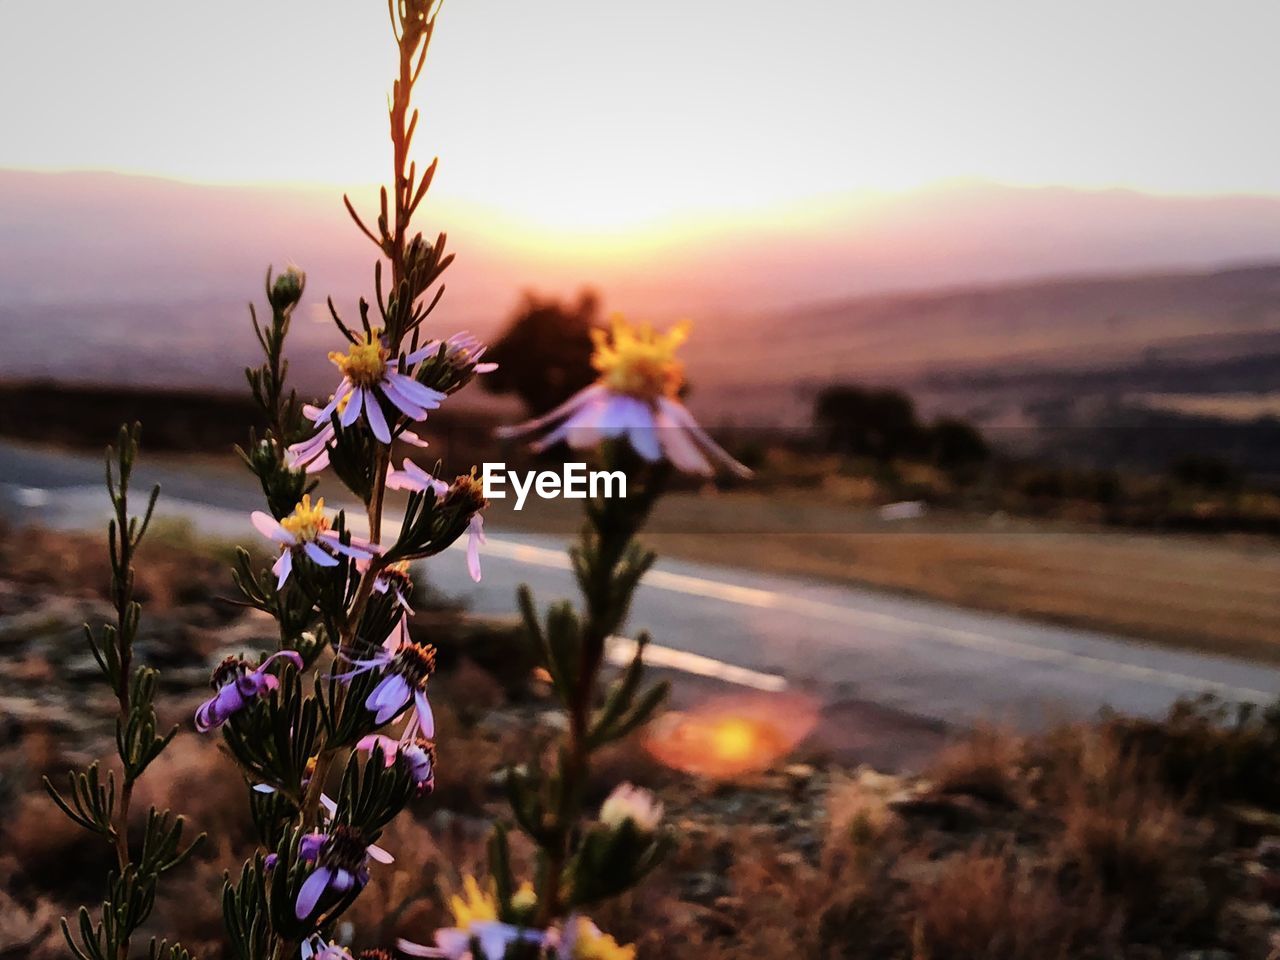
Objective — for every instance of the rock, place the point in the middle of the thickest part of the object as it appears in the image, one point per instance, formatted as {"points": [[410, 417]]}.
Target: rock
{"points": [[1253, 823], [950, 811], [799, 773]]}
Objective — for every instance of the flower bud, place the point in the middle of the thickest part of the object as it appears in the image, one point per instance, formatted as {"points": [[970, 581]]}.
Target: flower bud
{"points": [[287, 290], [466, 494], [636, 804]]}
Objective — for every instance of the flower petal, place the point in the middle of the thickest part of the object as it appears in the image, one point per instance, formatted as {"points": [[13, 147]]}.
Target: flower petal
{"points": [[426, 719], [318, 556], [401, 402], [270, 528], [680, 414], [585, 395], [352, 410], [415, 392], [312, 889], [475, 537], [282, 567], [373, 413]]}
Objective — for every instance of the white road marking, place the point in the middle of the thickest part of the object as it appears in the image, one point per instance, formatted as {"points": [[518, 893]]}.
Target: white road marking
{"points": [[621, 650], [820, 610], [852, 616]]}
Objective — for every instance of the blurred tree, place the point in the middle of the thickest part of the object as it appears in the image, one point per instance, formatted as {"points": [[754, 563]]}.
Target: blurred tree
{"points": [[544, 355], [868, 423], [1205, 472], [955, 444]]}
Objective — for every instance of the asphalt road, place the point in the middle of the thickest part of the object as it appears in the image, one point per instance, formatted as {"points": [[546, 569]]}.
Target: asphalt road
{"points": [[897, 655]]}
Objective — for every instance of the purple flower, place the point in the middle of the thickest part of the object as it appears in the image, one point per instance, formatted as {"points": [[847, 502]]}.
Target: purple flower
{"points": [[462, 351], [316, 949], [307, 530], [454, 943], [394, 579], [370, 376], [637, 397], [406, 668], [237, 685], [342, 865], [465, 489], [414, 478], [312, 454], [418, 755]]}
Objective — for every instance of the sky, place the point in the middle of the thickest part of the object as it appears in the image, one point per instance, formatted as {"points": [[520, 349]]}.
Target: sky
{"points": [[603, 115]]}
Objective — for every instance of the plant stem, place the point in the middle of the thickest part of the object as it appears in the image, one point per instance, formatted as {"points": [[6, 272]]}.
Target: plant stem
{"points": [[610, 534]]}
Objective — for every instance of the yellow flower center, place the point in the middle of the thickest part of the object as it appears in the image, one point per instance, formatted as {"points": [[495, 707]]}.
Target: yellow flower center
{"points": [[473, 905], [306, 521], [524, 899], [638, 360], [477, 905], [364, 363], [591, 944]]}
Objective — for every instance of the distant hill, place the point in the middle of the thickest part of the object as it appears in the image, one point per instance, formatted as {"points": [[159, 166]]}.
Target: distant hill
{"points": [[110, 278], [1161, 331]]}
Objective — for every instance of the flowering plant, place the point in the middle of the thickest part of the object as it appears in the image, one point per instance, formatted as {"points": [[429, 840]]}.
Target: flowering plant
{"points": [[332, 727]]}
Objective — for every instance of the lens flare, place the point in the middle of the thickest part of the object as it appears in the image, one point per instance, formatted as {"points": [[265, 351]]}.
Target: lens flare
{"points": [[730, 737]]}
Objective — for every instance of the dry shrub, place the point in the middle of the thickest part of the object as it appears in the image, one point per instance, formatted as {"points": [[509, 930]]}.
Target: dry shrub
{"points": [[986, 764], [195, 778], [54, 854], [169, 574], [466, 761], [627, 760], [1209, 751], [861, 826], [472, 691], [1126, 842], [29, 930], [986, 905], [406, 898]]}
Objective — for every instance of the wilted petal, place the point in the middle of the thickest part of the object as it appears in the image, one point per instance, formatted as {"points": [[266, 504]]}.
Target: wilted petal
{"points": [[426, 719], [475, 537], [282, 567]]}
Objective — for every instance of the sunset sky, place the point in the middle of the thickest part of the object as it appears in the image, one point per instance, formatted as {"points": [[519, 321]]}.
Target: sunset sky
{"points": [[594, 114]]}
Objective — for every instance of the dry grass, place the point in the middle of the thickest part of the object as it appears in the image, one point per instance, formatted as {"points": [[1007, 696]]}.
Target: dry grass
{"points": [[990, 906], [1217, 593], [1211, 594], [1094, 841], [983, 764]]}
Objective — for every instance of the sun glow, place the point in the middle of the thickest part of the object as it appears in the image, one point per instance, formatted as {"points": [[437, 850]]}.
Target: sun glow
{"points": [[732, 736]]}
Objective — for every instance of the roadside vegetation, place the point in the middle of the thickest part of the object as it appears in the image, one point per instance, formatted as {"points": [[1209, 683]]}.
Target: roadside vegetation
{"points": [[1122, 837]]}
